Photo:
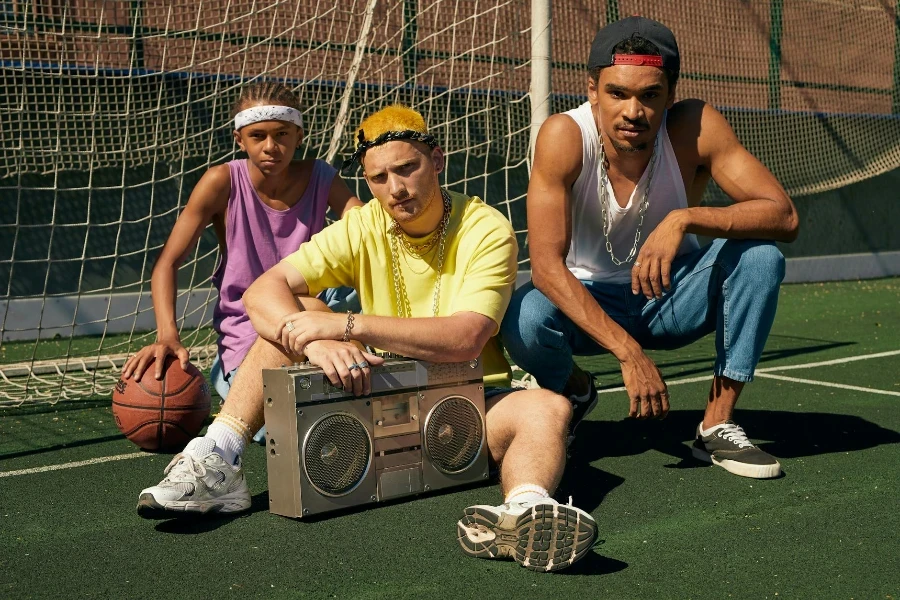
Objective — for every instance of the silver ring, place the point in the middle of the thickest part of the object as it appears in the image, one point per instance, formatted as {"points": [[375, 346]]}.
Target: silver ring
{"points": [[289, 326], [353, 366], [637, 263], [363, 364]]}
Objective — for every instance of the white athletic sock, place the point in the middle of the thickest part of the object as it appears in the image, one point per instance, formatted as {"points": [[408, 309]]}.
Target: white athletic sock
{"points": [[229, 443], [706, 432], [527, 493]]}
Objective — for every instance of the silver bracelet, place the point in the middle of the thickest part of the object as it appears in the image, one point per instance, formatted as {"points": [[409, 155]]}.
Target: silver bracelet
{"points": [[346, 336]]}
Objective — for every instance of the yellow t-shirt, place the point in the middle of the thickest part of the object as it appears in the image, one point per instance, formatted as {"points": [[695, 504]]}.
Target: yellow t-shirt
{"points": [[480, 260]]}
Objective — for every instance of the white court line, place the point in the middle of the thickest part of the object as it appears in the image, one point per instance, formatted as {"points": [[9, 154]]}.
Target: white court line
{"points": [[828, 384], [760, 373], [825, 363], [72, 465], [668, 383], [765, 373]]}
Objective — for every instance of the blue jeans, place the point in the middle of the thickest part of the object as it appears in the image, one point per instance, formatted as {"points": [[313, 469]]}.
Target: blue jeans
{"points": [[729, 287], [338, 299]]}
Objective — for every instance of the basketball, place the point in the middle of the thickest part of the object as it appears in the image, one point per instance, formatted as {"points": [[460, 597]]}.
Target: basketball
{"points": [[162, 415]]}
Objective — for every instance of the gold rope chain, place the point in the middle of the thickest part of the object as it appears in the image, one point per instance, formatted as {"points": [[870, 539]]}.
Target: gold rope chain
{"points": [[418, 250], [403, 308]]}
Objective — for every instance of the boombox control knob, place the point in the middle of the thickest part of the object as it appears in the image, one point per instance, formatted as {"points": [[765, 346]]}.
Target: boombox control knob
{"points": [[305, 383], [473, 363]]}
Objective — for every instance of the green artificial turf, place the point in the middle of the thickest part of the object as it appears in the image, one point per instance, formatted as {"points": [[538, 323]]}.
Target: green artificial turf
{"points": [[669, 527]]}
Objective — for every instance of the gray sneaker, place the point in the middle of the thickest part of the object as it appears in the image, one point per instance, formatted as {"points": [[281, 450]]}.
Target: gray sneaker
{"points": [[197, 481], [541, 536], [727, 446]]}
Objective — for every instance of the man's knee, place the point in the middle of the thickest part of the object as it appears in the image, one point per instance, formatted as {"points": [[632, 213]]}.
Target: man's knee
{"points": [[265, 355], [529, 312], [547, 411], [761, 260]]}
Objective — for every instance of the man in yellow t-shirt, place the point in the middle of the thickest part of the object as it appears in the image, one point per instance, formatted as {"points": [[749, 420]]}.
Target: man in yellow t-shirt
{"points": [[434, 271]]}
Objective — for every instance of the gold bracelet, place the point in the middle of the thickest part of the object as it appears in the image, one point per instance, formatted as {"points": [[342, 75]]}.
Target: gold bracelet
{"points": [[346, 336]]}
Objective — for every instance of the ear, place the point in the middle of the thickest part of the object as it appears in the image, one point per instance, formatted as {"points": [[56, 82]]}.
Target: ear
{"points": [[437, 159], [238, 140], [300, 137], [593, 89]]}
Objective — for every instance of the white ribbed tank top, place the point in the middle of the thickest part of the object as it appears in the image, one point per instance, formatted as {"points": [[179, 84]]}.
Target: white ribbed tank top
{"points": [[588, 257]]}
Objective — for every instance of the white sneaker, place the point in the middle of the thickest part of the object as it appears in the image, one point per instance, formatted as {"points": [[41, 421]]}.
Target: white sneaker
{"points": [[541, 536], [197, 481]]}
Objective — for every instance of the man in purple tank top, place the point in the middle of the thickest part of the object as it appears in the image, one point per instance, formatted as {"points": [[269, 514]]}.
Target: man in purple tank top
{"points": [[261, 208], [614, 265]]}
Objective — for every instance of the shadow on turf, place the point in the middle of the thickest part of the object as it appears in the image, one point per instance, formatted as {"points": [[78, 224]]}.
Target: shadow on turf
{"points": [[194, 524], [784, 434], [702, 365], [594, 564], [67, 445]]}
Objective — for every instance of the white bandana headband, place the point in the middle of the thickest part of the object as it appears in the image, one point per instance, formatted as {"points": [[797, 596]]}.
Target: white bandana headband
{"points": [[268, 113]]}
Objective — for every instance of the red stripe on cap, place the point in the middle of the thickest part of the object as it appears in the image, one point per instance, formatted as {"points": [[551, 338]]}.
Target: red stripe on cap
{"points": [[649, 60]]}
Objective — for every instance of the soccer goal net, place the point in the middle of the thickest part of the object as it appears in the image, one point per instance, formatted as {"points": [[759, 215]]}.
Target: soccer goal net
{"points": [[111, 110]]}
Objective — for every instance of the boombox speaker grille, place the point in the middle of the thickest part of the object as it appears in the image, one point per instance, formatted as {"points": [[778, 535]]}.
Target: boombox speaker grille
{"points": [[453, 434], [336, 454]]}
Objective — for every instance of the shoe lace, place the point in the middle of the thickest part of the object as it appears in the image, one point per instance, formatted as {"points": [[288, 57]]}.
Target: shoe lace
{"points": [[527, 382], [735, 434], [184, 468]]}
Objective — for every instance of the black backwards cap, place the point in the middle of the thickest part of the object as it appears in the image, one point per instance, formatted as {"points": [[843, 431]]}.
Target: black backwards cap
{"points": [[659, 35]]}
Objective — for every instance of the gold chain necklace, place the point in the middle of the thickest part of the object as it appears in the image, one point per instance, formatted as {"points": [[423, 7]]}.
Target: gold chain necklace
{"points": [[403, 307]]}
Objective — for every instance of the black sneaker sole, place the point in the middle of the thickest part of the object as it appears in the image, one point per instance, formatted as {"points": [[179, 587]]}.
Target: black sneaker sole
{"points": [[547, 537]]}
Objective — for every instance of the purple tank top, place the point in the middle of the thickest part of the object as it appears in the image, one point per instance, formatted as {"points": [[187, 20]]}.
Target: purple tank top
{"points": [[257, 237]]}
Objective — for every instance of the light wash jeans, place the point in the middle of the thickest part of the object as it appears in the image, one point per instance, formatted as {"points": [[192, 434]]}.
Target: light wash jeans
{"points": [[340, 300], [729, 287]]}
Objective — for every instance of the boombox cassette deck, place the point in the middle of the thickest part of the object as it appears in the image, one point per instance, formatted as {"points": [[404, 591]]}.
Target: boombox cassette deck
{"points": [[421, 429]]}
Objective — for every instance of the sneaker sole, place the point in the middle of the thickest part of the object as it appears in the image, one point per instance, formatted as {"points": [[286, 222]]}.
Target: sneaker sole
{"points": [[739, 468], [149, 508], [547, 537]]}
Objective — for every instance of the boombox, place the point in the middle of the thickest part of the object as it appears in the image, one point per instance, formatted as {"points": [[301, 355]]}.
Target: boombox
{"points": [[421, 429]]}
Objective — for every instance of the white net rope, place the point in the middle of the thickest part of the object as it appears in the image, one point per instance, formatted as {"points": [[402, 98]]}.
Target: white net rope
{"points": [[111, 111]]}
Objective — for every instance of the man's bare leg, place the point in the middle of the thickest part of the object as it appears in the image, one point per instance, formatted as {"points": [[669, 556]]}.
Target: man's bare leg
{"points": [[723, 442], [526, 435], [207, 476], [723, 395], [242, 414], [245, 398]]}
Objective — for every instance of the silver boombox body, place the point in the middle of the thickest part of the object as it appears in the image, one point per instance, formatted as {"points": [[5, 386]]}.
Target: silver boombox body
{"points": [[421, 429]]}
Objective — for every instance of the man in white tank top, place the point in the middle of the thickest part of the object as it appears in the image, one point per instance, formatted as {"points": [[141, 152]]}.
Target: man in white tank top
{"points": [[615, 263]]}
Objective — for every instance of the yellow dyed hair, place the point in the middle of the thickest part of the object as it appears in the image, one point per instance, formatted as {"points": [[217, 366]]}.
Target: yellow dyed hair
{"points": [[396, 117]]}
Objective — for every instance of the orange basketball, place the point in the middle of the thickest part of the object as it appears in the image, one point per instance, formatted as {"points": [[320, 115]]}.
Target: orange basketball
{"points": [[162, 415]]}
